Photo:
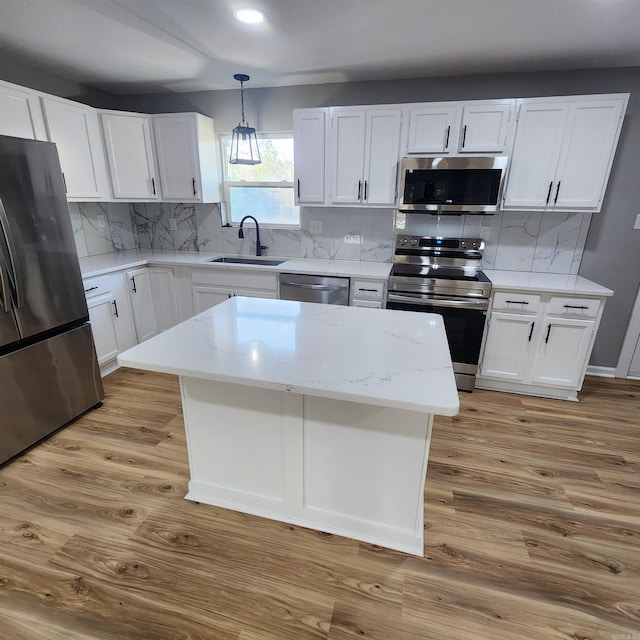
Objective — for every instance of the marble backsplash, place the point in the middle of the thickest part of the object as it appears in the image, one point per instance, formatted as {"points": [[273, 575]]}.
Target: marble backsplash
{"points": [[549, 242]]}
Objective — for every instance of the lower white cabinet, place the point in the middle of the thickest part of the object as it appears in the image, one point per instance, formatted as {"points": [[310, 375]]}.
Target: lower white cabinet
{"points": [[110, 317], [165, 300], [367, 293], [538, 343], [142, 304], [212, 286]]}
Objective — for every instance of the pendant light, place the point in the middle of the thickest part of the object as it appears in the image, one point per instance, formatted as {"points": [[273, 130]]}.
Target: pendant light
{"points": [[244, 142]]}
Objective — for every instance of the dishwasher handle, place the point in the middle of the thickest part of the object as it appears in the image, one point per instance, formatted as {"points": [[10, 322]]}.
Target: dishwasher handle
{"points": [[315, 287]]}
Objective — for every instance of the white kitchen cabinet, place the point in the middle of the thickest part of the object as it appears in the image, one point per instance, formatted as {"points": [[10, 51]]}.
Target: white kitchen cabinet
{"points": [[433, 128], [367, 293], [76, 131], [110, 317], [142, 303], [213, 285], [538, 343], [187, 157], [21, 111], [365, 146], [485, 126], [128, 145], [562, 152], [478, 126], [309, 153], [165, 301]]}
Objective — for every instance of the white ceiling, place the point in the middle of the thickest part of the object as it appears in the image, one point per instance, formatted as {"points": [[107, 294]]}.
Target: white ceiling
{"points": [[131, 46]]}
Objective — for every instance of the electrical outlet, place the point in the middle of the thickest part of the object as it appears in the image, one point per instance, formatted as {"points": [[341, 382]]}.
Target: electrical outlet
{"points": [[637, 223], [102, 220], [315, 226], [173, 225]]}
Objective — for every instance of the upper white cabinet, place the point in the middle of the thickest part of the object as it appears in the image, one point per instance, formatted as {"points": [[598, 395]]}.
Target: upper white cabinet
{"points": [[21, 113], [431, 128], [128, 145], [187, 157], [309, 138], [486, 126], [478, 126], [365, 147], [562, 152], [76, 131]]}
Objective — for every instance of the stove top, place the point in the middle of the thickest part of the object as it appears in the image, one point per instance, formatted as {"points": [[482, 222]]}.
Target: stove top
{"points": [[435, 265]]}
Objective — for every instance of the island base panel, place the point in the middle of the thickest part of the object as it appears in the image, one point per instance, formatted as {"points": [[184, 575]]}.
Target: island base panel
{"points": [[346, 468]]}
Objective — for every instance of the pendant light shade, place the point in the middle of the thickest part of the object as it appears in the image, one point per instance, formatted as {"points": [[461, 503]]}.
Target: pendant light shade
{"points": [[244, 142]]}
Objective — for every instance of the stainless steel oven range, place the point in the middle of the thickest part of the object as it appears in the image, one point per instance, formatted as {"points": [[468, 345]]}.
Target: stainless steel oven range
{"points": [[443, 276]]}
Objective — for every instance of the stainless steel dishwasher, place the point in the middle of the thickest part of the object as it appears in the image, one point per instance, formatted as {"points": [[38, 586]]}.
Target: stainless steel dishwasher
{"points": [[306, 288]]}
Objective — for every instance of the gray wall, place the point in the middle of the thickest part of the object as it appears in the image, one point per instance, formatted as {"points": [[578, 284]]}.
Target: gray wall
{"points": [[612, 251]]}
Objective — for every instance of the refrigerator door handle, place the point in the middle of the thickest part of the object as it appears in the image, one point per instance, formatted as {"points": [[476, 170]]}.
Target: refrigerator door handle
{"points": [[15, 277], [4, 291]]}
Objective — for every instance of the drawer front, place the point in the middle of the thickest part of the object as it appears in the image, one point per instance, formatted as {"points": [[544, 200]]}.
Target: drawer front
{"points": [[100, 285], [235, 279], [575, 307], [515, 301], [367, 289]]}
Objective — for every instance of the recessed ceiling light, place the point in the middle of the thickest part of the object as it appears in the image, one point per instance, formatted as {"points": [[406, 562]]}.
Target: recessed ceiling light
{"points": [[249, 16]]}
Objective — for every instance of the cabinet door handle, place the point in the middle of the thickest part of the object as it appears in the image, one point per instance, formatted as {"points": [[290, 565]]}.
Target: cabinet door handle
{"points": [[298, 188], [193, 182], [546, 340], [516, 302], [359, 189], [371, 290], [133, 280], [533, 324], [446, 142], [153, 185], [549, 192], [115, 308], [575, 306], [365, 189], [557, 192], [464, 135], [90, 289]]}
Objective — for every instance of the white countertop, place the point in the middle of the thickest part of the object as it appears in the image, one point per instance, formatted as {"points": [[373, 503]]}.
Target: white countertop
{"points": [[545, 282], [108, 262], [373, 356]]}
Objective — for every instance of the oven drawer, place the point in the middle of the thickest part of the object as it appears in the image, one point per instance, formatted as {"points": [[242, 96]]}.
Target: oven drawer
{"points": [[567, 306], [515, 301]]}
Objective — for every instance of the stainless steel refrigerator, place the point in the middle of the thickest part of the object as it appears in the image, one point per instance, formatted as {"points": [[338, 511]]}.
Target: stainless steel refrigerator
{"points": [[48, 368]]}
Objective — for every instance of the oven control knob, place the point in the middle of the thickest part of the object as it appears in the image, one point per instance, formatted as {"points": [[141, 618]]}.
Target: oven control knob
{"points": [[463, 244], [414, 242], [403, 241]]}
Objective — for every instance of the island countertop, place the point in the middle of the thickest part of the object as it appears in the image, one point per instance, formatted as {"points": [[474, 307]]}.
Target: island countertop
{"points": [[379, 357]]}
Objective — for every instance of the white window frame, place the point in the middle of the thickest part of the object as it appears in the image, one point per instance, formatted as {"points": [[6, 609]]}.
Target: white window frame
{"points": [[226, 213]]}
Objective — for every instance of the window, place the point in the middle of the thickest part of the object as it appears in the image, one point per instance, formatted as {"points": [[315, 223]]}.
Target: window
{"points": [[264, 190]]}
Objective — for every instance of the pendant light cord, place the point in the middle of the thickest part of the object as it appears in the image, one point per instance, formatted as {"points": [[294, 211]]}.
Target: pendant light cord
{"points": [[242, 101]]}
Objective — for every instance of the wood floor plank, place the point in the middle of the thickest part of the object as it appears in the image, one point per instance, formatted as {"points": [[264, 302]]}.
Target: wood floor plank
{"points": [[532, 530]]}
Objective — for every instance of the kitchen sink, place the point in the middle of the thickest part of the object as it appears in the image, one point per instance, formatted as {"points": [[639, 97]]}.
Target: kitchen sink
{"points": [[248, 260]]}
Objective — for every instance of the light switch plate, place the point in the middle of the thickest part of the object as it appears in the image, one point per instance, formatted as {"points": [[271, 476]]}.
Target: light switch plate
{"points": [[352, 238], [173, 225], [102, 221], [637, 223], [315, 226]]}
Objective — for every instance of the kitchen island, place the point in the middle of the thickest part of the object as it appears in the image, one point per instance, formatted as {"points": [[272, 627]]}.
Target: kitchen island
{"points": [[318, 415]]}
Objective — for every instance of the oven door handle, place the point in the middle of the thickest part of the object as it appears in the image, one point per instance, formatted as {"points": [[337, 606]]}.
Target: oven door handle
{"points": [[479, 305]]}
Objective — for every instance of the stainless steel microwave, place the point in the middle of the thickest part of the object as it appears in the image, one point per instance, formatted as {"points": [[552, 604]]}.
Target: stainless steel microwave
{"points": [[452, 185]]}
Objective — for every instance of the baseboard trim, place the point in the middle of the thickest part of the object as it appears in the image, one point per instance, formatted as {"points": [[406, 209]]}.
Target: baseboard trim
{"points": [[601, 372]]}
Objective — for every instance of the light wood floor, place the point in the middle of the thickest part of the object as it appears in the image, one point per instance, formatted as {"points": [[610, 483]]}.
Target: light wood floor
{"points": [[532, 518]]}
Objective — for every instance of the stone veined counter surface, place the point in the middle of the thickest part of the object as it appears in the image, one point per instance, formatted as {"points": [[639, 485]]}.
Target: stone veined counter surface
{"points": [[319, 415]]}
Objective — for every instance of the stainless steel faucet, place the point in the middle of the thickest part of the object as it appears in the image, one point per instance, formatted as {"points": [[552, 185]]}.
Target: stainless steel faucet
{"points": [[259, 247]]}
